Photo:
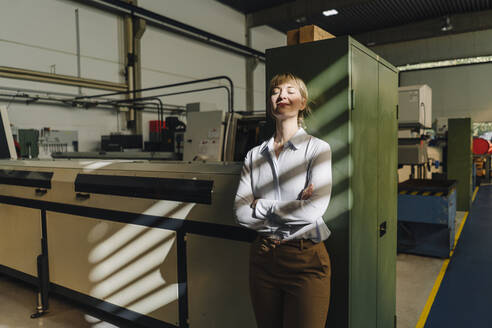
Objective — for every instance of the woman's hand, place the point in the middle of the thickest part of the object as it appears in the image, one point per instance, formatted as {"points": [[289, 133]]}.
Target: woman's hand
{"points": [[266, 244], [306, 193]]}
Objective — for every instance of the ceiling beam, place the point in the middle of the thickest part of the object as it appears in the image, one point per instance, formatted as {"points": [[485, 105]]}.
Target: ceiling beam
{"points": [[291, 11], [461, 23]]}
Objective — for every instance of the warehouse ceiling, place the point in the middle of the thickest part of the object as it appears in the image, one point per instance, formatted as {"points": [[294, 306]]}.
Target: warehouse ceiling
{"points": [[361, 17]]}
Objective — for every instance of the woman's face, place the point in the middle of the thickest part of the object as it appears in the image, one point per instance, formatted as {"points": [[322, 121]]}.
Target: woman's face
{"points": [[287, 101]]}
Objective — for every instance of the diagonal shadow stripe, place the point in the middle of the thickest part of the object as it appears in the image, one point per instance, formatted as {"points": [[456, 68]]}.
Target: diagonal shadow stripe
{"points": [[337, 155]]}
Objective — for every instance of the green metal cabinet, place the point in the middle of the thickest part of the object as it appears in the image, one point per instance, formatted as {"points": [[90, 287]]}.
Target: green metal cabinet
{"points": [[354, 97], [460, 160]]}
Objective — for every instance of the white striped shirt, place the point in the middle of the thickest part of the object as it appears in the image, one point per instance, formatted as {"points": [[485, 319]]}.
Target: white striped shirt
{"points": [[277, 183]]}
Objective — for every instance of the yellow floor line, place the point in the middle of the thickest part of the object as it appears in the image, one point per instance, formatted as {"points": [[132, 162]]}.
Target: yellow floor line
{"points": [[437, 284], [432, 296], [458, 234], [474, 194]]}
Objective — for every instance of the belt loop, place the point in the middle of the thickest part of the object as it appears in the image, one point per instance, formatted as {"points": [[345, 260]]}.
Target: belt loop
{"points": [[301, 244]]}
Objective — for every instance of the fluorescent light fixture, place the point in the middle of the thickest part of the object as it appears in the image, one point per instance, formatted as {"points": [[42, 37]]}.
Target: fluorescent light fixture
{"points": [[330, 12], [447, 26]]}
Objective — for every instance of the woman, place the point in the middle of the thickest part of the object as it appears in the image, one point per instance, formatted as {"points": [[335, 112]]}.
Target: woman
{"points": [[284, 190]]}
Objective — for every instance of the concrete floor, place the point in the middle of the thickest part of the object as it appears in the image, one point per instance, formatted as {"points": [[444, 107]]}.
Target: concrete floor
{"points": [[18, 302], [416, 276]]}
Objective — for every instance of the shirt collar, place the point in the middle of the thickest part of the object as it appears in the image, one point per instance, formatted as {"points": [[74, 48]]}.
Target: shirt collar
{"points": [[295, 142], [298, 139]]}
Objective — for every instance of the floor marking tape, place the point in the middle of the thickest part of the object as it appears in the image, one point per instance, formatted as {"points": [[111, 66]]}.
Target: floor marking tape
{"points": [[440, 277]]}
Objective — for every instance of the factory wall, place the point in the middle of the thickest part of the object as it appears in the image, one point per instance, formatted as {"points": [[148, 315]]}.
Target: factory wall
{"points": [[460, 91], [41, 35], [461, 45], [168, 58]]}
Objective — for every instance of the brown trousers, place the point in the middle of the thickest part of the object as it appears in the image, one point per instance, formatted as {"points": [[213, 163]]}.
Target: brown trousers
{"points": [[290, 285]]}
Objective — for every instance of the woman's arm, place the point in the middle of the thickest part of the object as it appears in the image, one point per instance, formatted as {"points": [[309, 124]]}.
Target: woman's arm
{"points": [[302, 212], [244, 212]]}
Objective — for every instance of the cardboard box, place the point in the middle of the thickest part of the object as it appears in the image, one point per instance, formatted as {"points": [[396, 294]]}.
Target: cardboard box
{"points": [[308, 33]]}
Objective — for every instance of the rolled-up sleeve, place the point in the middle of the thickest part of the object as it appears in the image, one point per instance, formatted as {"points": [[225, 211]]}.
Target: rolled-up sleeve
{"points": [[303, 212], [244, 214]]}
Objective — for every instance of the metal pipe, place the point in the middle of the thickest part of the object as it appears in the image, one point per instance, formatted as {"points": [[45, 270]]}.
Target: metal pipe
{"points": [[24, 74], [39, 91], [148, 107], [77, 34], [23, 97], [130, 76], [169, 86], [251, 64], [119, 101], [211, 38], [72, 95]]}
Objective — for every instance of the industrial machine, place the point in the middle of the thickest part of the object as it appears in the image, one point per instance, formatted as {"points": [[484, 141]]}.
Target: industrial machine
{"points": [[211, 136], [205, 135], [166, 136], [426, 207], [482, 154], [426, 217], [414, 116], [415, 106], [121, 142], [246, 130], [154, 242], [217, 136]]}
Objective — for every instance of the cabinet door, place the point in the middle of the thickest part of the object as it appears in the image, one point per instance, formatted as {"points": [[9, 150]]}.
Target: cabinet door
{"points": [[20, 238], [364, 188], [387, 195], [460, 160]]}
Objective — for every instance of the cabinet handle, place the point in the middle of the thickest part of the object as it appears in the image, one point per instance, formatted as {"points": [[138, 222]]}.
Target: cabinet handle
{"points": [[352, 99], [82, 196], [40, 191], [382, 229]]}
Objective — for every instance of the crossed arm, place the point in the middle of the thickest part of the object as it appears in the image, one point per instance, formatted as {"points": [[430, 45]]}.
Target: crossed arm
{"points": [[256, 213]]}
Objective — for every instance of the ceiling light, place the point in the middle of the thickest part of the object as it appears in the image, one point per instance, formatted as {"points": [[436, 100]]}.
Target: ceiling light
{"points": [[301, 20], [446, 26], [330, 12]]}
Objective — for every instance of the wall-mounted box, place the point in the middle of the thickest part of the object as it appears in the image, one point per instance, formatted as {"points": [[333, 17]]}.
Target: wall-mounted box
{"points": [[204, 136], [415, 105]]}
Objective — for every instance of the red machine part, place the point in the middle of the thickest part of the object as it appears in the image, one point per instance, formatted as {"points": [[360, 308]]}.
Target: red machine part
{"points": [[481, 146], [154, 126]]}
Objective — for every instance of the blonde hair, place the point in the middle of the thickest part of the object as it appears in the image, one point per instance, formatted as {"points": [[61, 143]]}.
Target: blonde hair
{"points": [[289, 77]]}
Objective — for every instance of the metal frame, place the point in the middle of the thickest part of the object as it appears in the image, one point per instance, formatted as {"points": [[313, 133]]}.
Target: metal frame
{"points": [[182, 228]]}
